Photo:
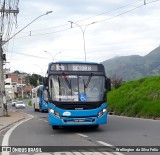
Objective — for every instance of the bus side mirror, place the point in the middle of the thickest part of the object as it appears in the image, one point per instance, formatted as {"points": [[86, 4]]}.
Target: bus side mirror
{"points": [[45, 82], [45, 93], [108, 84]]}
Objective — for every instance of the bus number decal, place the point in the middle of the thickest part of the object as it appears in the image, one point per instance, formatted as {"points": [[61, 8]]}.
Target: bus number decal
{"points": [[81, 68]]}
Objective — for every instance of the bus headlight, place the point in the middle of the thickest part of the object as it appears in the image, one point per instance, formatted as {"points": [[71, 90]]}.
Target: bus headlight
{"points": [[102, 112], [54, 113]]}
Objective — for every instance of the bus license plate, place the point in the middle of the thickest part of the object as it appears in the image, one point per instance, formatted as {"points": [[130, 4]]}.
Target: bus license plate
{"points": [[79, 120]]}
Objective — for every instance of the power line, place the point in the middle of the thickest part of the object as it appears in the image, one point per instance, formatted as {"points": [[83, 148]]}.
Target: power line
{"points": [[120, 14], [129, 4], [29, 55]]}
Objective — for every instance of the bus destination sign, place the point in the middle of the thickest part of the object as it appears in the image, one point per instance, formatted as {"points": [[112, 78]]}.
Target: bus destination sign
{"points": [[74, 67]]}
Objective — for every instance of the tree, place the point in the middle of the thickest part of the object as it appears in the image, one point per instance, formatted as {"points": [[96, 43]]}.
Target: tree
{"points": [[16, 72], [35, 79], [116, 81]]}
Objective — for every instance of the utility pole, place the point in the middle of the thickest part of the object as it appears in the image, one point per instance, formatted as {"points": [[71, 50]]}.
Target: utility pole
{"points": [[4, 11], [3, 109], [1, 77], [22, 87]]}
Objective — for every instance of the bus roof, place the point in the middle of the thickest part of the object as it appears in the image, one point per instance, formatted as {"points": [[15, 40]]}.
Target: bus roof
{"points": [[73, 62]]}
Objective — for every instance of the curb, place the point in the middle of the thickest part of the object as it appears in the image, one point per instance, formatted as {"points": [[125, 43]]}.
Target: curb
{"points": [[8, 125], [26, 116]]}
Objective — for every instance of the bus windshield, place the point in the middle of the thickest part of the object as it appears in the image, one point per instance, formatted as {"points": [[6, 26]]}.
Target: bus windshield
{"points": [[76, 88]]}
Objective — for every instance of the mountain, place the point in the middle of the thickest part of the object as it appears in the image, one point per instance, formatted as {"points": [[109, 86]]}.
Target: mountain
{"points": [[134, 67]]}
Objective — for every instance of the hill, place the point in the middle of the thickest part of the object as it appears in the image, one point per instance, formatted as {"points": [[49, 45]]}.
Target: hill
{"points": [[134, 67], [140, 98]]}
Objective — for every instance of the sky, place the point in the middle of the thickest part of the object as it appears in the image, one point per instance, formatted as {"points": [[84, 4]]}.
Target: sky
{"points": [[110, 29]]}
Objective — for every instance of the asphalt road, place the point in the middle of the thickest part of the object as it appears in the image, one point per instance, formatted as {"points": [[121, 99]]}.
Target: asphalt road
{"points": [[120, 131]]}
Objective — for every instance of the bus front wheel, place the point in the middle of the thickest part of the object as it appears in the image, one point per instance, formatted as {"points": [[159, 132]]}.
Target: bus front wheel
{"points": [[95, 126], [35, 108], [54, 127]]}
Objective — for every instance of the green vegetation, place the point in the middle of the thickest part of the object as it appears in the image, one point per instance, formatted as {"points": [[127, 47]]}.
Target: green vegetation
{"points": [[30, 103], [34, 78], [140, 98]]}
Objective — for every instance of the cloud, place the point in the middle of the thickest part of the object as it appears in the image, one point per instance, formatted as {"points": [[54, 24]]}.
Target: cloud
{"points": [[118, 30]]}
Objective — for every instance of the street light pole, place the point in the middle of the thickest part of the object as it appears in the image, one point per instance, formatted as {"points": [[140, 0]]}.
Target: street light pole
{"points": [[53, 57], [49, 54], [27, 26], [83, 32]]}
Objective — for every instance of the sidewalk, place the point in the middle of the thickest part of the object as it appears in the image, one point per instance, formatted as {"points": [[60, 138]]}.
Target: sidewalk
{"points": [[13, 117]]}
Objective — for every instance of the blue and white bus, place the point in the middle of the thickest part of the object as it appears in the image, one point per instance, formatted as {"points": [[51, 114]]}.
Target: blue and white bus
{"points": [[77, 94], [38, 99]]}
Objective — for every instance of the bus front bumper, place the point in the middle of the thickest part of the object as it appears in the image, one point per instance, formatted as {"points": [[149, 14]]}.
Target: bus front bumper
{"points": [[69, 121]]}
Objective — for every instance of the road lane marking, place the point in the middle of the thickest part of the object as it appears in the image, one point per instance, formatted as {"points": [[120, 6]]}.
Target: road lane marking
{"points": [[102, 143], [106, 144], [82, 135], [43, 120], [107, 153], [5, 141]]}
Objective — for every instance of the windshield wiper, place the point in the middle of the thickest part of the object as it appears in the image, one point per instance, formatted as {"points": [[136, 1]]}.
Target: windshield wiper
{"points": [[68, 83], [59, 86], [88, 81]]}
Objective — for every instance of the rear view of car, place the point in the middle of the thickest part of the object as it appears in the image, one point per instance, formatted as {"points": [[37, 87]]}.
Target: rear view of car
{"points": [[20, 104]]}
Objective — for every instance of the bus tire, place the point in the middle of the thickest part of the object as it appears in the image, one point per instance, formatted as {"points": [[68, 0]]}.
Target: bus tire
{"points": [[40, 108], [95, 126], [35, 108], [55, 127]]}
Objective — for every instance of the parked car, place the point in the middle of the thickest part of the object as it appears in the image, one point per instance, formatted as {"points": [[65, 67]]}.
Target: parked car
{"points": [[20, 104], [13, 103]]}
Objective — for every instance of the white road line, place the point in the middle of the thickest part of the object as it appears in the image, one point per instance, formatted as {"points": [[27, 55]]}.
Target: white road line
{"points": [[82, 135], [45, 121], [106, 144], [107, 153], [5, 141], [40, 119]]}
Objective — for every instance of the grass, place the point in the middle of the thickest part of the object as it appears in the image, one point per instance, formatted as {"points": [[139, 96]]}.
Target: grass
{"points": [[140, 98]]}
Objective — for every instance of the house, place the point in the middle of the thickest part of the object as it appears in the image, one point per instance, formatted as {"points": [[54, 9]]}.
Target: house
{"points": [[17, 85]]}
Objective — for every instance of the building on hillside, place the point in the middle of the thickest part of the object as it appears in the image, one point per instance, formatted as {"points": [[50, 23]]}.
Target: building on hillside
{"points": [[10, 89], [17, 85]]}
